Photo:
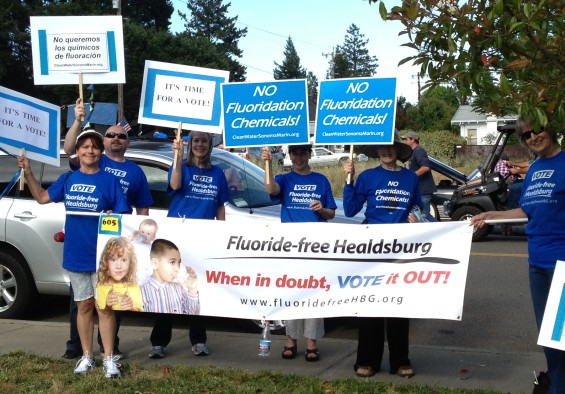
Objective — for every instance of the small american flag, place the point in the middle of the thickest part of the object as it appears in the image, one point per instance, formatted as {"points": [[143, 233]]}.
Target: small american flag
{"points": [[125, 125]]}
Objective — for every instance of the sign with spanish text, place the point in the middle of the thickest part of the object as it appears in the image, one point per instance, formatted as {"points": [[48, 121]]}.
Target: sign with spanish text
{"points": [[357, 111], [267, 113], [291, 270], [552, 331], [29, 123], [64, 46], [174, 93]]}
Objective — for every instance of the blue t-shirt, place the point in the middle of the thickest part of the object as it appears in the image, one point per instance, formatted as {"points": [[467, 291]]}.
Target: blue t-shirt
{"points": [[202, 191], [389, 195], [543, 200], [99, 192], [297, 191], [132, 179], [420, 159]]}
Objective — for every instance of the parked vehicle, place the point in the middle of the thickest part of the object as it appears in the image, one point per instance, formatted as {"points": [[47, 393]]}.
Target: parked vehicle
{"points": [[30, 258], [484, 190], [321, 156], [254, 153], [445, 187]]}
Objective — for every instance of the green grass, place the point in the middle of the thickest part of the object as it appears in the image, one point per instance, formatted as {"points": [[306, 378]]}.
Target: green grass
{"points": [[23, 372]]}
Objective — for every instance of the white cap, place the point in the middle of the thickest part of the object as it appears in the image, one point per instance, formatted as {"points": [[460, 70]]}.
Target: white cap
{"points": [[90, 132]]}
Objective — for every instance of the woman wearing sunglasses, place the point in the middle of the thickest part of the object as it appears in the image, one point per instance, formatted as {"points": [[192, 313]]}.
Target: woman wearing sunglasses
{"points": [[543, 203]]}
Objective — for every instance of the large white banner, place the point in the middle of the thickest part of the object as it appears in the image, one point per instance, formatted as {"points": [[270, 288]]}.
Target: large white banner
{"points": [[304, 270]]}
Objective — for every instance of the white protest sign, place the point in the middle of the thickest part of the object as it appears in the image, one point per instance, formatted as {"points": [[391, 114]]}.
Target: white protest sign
{"points": [[306, 270], [174, 93], [64, 46], [552, 331], [29, 123]]}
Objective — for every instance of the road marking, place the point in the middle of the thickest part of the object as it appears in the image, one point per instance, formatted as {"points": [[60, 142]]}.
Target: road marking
{"points": [[500, 254]]}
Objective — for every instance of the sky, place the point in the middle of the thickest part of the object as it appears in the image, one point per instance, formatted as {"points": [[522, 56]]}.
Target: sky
{"points": [[316, 28]]}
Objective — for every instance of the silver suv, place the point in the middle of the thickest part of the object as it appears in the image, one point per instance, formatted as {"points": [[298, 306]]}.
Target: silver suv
{"points": [[30, 258]]}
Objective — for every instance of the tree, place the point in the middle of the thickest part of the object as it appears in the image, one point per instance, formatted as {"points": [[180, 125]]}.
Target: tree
{"points": [[431, 114], [402, 106], [290, 67], [352, 59], [510, 54], [209, 20], [312, 84]]}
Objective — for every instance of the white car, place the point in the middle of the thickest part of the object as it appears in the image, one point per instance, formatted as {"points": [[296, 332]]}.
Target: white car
{"points": [[30, 257], [321, 156]]}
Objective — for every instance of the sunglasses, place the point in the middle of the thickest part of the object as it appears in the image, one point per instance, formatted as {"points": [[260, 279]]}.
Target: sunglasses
{"points": [[114, 135], [526, 135]]}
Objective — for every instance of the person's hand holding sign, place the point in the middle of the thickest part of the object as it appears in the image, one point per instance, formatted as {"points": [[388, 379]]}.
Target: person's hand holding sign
{"points": [[349, 170], [270, 184]]}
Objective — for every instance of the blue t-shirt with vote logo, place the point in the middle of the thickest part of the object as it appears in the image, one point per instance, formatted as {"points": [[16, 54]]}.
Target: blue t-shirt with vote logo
{"points": [[298, 191], [202, 191], [80, 192], [132, 179]]}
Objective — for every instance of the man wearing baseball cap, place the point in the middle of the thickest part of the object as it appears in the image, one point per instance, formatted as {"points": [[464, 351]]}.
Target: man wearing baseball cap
{"points": [[420, 164]]}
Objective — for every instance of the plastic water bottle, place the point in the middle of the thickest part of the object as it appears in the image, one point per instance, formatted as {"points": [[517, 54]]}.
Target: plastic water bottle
{"points": [[418, 213], [265, 341]]}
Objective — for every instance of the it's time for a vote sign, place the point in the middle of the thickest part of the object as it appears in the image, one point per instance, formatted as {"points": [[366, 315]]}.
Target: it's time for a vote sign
{"points": [[356, 111]]}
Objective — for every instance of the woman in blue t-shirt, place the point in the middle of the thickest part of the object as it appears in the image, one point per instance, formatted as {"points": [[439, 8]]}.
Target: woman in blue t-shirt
{"points": [[543, 203], [306, 196], [87, 190], [389, 192], [200, 191]]}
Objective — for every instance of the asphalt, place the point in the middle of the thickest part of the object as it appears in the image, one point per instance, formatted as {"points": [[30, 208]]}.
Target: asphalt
{"points": [[435, 366]]}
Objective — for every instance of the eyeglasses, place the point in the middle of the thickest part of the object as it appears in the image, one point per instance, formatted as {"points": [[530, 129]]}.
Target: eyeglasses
{"points": [[526, 135], [120, 136]]}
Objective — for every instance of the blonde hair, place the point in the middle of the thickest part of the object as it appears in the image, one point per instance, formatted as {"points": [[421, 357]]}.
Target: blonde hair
{"points": [[149, 222], [206, 161], [119, 247]]}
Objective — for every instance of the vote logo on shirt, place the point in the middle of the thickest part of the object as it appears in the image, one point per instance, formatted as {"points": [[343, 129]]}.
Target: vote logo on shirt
{"points": [[110, 224]]}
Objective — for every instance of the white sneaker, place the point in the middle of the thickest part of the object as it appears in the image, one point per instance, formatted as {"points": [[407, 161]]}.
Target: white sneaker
{"points": [[200, 349], [111, 367], [85, 364]]}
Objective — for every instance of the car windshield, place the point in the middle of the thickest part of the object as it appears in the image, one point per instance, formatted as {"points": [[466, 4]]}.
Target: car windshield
{"points": [[245, 179]]}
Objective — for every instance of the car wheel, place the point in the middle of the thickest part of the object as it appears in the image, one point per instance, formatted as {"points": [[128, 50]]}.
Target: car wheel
{"points": [[277, 326], [466, 213], [16, 287]]}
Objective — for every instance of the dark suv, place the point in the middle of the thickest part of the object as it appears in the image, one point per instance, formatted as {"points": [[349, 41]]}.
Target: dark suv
{"points": [[485, 189]]}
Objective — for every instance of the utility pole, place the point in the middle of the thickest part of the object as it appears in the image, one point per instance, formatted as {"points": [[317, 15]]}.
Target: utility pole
{"points": [[332, 56], [118, 4], [418, 76]]}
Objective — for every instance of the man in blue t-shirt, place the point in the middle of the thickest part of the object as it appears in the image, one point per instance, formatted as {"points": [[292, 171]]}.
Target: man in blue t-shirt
{"points": [[420, 164], [134, 185]]}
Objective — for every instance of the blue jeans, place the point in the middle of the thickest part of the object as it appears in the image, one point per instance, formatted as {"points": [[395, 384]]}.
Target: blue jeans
{"points": [[426, 202], [540, 282]]}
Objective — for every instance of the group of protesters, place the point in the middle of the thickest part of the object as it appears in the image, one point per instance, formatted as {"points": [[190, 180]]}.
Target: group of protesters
{"points": [[96, 153]]}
